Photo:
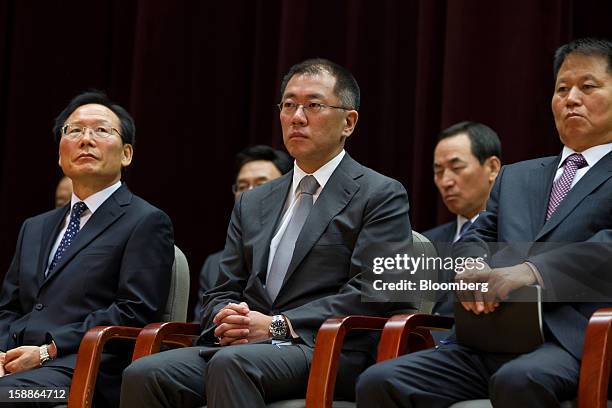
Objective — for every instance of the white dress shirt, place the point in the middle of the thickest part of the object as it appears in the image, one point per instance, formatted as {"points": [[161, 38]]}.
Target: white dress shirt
{"points": [[93, 202], [322, 175]]}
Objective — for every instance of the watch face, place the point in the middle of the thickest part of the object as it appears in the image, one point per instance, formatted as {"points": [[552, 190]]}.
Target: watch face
{"points": [[278, 328]]}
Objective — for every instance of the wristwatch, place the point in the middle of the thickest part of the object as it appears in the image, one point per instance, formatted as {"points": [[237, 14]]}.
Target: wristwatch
{"points": [[44, 354], [278, 327]]}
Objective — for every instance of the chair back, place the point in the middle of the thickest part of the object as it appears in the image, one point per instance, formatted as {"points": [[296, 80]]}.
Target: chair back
{"points": [[423, 246], [178, 295]]}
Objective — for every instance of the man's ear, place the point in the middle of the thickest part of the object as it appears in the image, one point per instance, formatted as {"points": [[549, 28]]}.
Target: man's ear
{"points": [[493, 165], [128, 152], [350, 122]]}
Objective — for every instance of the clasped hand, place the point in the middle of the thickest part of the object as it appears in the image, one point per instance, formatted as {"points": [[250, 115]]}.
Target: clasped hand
{"points": [[500, 283], [19, 359], [237, 324]]}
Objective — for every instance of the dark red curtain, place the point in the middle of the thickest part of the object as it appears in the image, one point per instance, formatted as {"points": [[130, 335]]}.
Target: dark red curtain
{"points": [[201, 79]]}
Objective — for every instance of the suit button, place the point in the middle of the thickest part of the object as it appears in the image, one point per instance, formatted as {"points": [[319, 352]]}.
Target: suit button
{"points": [[14, 336], [39, 306]]}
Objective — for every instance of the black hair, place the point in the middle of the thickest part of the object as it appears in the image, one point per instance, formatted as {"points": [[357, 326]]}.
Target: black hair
{"points": [[128, 129], [583, 46], [346, 87], [280, 159], [483, 140]]}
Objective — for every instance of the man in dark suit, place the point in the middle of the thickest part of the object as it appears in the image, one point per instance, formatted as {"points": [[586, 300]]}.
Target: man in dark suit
{"points": [[279, 281], [255, 166], [105, 259], [466, 163], [559, 200]]}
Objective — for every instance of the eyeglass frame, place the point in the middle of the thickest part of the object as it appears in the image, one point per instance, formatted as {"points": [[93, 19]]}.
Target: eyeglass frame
{"points": [[306, 109], [82, 132], [249, 187]]}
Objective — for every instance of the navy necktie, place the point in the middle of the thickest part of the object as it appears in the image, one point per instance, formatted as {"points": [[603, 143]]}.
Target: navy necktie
{"points": [[74, 225], [466, 226]]}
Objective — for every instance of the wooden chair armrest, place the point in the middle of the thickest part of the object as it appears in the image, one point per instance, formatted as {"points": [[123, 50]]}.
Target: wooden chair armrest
{"points": [[399, 329], [595, 366], [326, 357], [88, 361], [153, 335]]}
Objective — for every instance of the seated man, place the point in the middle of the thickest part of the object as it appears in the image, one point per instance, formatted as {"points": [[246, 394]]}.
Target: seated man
{"points": [[466, 163], [559, 200], [296, 251], [254, 166], [104, 260]]}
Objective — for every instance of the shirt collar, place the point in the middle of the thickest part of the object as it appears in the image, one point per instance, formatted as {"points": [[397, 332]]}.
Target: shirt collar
{"points": [[592, 155], [322, 175], [94, 201]]}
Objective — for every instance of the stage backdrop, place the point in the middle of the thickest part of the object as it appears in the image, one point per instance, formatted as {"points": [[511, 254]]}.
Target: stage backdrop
{"points": [[201, 80]]}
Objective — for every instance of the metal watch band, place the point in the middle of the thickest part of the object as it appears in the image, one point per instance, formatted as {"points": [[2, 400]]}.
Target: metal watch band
{"points": [[44, 354]]}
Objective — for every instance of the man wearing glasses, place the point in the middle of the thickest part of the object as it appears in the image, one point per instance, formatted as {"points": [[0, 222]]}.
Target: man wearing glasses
{"points": [[103, 259], [295, 255], [255, 166]]}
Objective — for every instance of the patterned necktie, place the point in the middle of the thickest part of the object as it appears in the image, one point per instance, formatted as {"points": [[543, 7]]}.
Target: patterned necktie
{"points": [[284, 252], [73, 228], [563, 184]]}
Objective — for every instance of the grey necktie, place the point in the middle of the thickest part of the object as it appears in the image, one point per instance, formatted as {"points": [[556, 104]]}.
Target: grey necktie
{"points": [[284, 252]]}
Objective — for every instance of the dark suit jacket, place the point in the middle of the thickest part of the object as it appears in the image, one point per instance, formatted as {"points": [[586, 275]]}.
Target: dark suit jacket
{"points": [[208, 278], [442, 237], [577, 267], [442, 233], [116, 272], [356, 214]]}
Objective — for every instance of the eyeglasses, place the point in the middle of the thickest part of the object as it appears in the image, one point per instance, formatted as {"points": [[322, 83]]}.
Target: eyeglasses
{"points": [[241, 188], [289, 108], [75, 132]]}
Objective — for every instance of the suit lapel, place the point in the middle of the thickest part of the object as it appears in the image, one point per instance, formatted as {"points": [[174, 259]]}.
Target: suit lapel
{"points": [[542, 177], [337, 193], [601, 172], [271, 212], [451, 230], [51, 228], [109, 212]]}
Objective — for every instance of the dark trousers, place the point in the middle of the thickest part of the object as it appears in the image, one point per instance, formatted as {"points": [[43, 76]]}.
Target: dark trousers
{"points": [[233, 376], [55, 375], [451, 373]]}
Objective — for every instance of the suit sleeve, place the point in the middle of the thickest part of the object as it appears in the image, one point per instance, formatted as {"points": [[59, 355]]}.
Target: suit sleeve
{"points": [[208, 277], [578, 271], [10, 308], [474, 242], [233, 275], [385, 221], [144, 279]]}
